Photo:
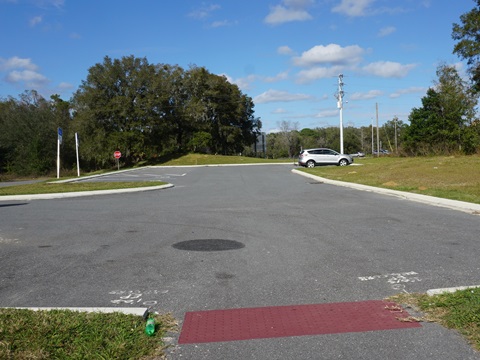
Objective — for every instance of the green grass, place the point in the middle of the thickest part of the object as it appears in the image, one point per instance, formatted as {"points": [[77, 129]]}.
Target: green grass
{"points": [[203, 159], [459, 311], [64, 334], [453, 177], [50, 188]]}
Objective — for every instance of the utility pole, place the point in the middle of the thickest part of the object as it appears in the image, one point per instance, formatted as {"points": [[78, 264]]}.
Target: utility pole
{"points": [[395, 119], [372, 137], [378, 137], [340, 106]]}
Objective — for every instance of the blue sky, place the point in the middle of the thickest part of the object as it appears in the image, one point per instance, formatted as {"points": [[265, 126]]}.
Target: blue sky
{"points": [[285, 54]]}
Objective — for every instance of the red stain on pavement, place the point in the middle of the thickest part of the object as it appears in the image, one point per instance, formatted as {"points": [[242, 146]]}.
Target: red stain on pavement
{"points": [[294, 320]]}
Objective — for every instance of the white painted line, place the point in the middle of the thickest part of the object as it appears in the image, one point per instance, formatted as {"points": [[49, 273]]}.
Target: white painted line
{"points": [[125, 310], [432, 292]]}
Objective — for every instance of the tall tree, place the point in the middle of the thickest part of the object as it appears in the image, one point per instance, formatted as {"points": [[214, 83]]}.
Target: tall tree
{"points": [[114, 108], [28, 136], [468, 46], [290, 137], [443, 123]]}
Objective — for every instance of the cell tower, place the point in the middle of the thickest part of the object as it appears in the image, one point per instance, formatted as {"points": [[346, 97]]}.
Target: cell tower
{"points": [[339, 97]]}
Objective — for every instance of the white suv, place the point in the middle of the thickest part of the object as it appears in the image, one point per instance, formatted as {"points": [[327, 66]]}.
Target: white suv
{"points": [[312, 157]]}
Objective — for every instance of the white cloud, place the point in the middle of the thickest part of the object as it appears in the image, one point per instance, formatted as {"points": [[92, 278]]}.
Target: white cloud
{"points": [[223, 23], [353, 8], [65, 86], [16, 63], [357, 8], [279, 96], [288, 11], [280, 76], [57, 3], [29, 77], [307, 76], [372, 94], [204, 11], [285, 50], [459, 66], [242, 83], [388, 69], [326, 114], [386, 31], [279, 111], [35, 21], [410, 90], [22, 71], [332, 54]]}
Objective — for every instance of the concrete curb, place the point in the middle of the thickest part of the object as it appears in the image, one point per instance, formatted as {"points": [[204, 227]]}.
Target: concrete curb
{"points": [[143, 312], [432, 292], [81, 193], [467, 207], [77, 179]]}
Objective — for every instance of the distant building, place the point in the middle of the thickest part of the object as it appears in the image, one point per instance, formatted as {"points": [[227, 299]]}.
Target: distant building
{"points": [[260, 146]]}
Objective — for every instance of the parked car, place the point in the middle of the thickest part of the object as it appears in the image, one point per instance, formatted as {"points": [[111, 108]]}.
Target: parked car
{"points": [[312, 157], [382, 152], [358, 154]]}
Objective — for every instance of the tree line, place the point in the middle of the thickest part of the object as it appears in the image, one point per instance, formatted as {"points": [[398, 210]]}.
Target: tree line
{"points": [[144, 110]]}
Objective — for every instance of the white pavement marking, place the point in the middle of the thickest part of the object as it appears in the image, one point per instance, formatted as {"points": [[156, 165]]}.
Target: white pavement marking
{"points": [[397, 281]]}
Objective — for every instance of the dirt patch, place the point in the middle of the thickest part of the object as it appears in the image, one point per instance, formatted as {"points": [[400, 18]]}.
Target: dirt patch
{"points": [[390, 183]]}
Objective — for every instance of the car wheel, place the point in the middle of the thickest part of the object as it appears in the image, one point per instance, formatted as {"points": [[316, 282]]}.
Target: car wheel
{"points": [[310, 164], [343, 162]]}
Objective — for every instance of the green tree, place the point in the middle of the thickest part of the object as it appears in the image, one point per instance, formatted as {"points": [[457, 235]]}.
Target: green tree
{"points": [[308, 138], [468, 46], [148, 110], [289, 137], [115, 109], [443, 123], [29, 135], [392, 132]]}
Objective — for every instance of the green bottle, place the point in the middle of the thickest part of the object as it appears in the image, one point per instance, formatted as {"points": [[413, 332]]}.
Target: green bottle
{"points": [[150, 327]]}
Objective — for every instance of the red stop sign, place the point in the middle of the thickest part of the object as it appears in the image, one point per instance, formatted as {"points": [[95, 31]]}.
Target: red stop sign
{"points": [[117, 154]]}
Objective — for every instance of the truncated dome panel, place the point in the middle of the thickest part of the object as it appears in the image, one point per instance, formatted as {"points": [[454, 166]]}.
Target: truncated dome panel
{"points": [[295, 320]]}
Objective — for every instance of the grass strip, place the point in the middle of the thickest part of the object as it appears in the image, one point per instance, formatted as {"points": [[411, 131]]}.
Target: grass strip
{"points": [[205, 159], [50, 188], [65, 334], [452, 177], [459, 311]]}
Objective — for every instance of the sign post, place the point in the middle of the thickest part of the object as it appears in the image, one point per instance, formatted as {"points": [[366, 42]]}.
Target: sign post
{"points": [[77, 143], [59, 142], [117, 154]]}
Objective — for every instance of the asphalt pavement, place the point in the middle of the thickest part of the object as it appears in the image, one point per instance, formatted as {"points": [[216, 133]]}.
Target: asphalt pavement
{"points": [[249, 239]]}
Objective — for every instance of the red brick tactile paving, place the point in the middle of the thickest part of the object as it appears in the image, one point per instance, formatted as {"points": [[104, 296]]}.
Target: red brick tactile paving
{"points": [[294, 320]]}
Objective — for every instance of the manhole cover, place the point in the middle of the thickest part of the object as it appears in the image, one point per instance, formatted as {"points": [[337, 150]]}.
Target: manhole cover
{"points": [[209, 245]]}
